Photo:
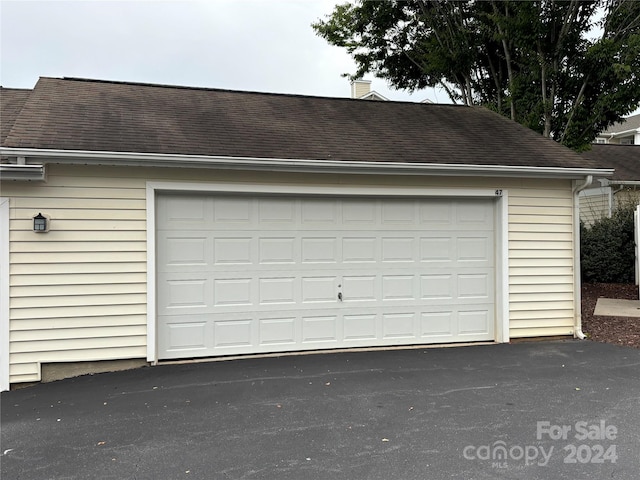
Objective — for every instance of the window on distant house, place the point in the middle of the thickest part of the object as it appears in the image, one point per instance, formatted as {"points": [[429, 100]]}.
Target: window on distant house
{"points": [[600, 140]]}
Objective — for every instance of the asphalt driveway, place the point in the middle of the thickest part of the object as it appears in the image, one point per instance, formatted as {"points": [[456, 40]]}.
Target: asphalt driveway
{"points": [[548, 410]]}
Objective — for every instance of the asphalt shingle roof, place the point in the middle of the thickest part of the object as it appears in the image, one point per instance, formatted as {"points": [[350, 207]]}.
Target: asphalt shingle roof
{"points": [[78, 114], [625, 159], [11, 103], [629, 123]]}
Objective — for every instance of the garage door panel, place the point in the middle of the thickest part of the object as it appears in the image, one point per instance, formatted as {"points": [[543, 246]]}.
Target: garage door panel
{"points": [[185, 249], [437, 324], [437, 213], [232, 333], [322, 329], [278, 331], [399, 325], [360, 249], [359, 288], [437, 249], [176, 212], [318, 213], [359, 214], [398, 212], [358, 327], [398, 287], [232, 292], [281, 290], [236, 211], [474, 215], [180, 336], [233, 251], [319, 289], [476, 250], [399, 249], [277, 250], [191, 293], [264, 274], [319, 250], [437, 286], [278, 213], [474, 322], [475, 286]]}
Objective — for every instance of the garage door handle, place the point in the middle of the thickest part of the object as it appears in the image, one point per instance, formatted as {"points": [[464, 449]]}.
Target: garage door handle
{"points": [[340, 296]]}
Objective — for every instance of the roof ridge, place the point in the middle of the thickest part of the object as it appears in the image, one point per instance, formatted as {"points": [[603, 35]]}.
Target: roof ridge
{"points": [[228, 90], [16, 89]]}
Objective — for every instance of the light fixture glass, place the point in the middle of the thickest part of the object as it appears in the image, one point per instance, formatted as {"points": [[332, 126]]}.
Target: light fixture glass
{"points": [[40, 223]]}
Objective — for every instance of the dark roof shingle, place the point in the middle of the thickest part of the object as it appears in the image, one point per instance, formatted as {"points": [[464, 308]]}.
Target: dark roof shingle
{"points": [[629, 123], [625, 159], [77, 114], [11, 102]]}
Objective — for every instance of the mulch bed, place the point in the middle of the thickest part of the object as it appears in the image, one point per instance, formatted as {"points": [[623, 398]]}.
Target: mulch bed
{"points": [[619, 330]]}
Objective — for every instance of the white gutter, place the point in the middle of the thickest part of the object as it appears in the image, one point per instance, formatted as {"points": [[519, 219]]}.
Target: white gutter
{"points": [[577, 285], [624, 182], [12, 171], [84, 157], [624, 132]]}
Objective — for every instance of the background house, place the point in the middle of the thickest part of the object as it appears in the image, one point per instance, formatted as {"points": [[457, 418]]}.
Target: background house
{"points": [[361, 90], [191, 222], [622, 133], [608, 193]]}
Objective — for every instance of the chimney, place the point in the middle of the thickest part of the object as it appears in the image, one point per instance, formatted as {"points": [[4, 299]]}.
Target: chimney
{"points": [[359, 88]]}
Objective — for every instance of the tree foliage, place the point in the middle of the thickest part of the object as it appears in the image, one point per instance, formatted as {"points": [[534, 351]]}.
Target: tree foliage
{"points": [[567, 69]]}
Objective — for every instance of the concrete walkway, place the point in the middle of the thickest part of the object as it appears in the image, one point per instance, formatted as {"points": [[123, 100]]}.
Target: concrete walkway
{"points": [[611, 307], [545, 410]]}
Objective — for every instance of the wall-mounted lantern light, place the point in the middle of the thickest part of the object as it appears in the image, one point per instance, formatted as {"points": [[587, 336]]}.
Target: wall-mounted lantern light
{"points": [[40, 223]]}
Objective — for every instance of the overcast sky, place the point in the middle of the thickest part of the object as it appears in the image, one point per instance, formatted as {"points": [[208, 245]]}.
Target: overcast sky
{"points": [[258, 45]]}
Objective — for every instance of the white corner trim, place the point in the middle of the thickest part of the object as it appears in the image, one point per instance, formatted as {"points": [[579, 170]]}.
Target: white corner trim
{"points": [[502, 246], [502, 268], [151, 275], [4, 295]]}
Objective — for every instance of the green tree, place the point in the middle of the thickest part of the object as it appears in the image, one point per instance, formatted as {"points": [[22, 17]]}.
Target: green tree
{"points": [[567, 69]]}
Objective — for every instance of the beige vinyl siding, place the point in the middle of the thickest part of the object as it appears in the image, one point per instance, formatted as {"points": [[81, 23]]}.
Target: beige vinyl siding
{"points": [[541, 296], [78, 293]]}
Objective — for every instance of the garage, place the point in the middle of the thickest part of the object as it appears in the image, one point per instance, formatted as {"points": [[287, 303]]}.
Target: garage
{"points": [[203, 223], [246, 273]]}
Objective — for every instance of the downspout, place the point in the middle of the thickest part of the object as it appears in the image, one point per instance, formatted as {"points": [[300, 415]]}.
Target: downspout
{"points": [[577, 285]]}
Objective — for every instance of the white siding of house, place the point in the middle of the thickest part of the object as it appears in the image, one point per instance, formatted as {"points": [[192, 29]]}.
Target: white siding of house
{"points": [[78, 293], [541, 297], [595, 204]]}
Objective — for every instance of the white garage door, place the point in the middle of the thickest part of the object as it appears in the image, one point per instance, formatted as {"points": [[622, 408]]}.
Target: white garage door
{"points": [[240, 274]]}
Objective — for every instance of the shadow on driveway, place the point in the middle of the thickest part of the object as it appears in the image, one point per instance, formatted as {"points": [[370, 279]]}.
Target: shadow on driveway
{"points": [[552, 410]]}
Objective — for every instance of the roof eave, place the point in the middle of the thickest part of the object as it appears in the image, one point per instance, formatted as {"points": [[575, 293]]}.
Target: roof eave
{"points": [[624, 132], [82, 157], [624, 182]]}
